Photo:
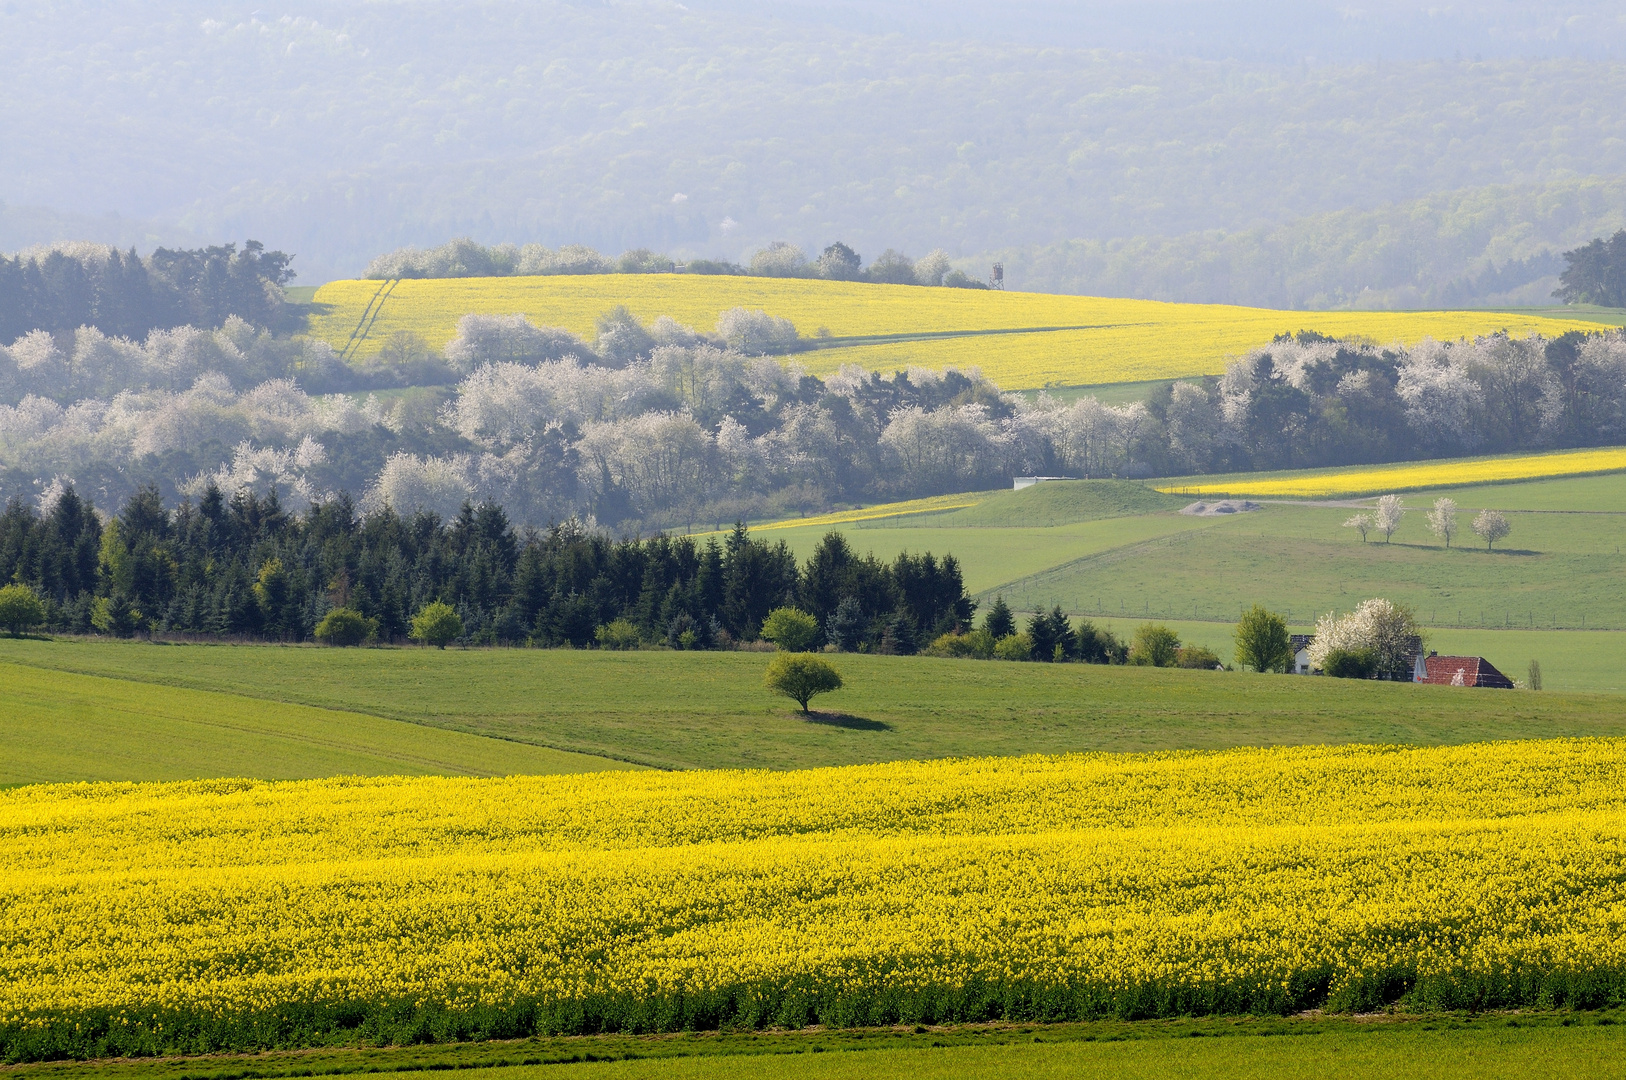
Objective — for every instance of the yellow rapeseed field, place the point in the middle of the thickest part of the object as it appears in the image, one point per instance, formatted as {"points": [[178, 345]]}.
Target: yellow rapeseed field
{"points": [[1409, 476], [930, 505], [140, 916], [1109, 340]]}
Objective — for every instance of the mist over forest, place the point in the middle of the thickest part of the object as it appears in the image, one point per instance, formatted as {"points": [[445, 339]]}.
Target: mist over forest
{"points": [[1387, 157]]}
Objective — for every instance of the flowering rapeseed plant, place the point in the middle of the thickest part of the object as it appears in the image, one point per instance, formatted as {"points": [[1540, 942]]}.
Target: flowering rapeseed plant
{"points": [[238, 913]]}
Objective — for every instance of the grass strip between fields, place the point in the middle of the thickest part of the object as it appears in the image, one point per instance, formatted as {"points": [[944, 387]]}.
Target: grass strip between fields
{"points": [[1227, 1037]]}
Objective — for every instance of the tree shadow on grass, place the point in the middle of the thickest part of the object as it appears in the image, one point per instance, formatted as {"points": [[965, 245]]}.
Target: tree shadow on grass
{"points": [[1470, 548], [843, 720]]}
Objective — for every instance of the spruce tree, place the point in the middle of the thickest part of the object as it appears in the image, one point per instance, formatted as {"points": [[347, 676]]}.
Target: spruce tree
{"points": [[1000, 622], [1061, 631], [1042, 632]]}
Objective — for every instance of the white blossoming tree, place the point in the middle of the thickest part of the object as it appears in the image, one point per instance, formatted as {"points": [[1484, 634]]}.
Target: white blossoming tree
{"points": [[1390, 630], [1442, 520], [1491, 526], [1388, 516]]}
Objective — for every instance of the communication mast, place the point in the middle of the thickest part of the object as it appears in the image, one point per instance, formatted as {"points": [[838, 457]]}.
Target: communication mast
{"points": [[996, 279]]}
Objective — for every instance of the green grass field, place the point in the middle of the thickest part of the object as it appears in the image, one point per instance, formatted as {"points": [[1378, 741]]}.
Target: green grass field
{"points": [[60, 726], [709, 710], [1445, 1047], [992, 557], [1117, 552], [1422, 1056], [1554, 571]]}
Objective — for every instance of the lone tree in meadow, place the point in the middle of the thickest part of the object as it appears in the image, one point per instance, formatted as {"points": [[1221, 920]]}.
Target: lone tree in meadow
{"points": [[801, 677], [1491, 526], [1442, 520], [1388, 516], [436, 624], [791, 629], [20, 609], [1262, 642], [1362, 523]]}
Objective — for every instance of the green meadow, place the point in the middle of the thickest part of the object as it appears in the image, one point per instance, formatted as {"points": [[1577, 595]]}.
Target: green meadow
{"points": [[1119, 552], [59, 726], [709, 710]]}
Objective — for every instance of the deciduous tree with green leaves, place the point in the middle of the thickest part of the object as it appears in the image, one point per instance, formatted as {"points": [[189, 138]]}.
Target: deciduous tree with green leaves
{"points": [[1261, 640], [436, 624], [344, 626], [801, 676], [20, 609], [1154, 645], [791, 629]]}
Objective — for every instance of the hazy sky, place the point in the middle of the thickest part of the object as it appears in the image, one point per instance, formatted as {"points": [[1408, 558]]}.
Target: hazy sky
{"points": [[338, 130]]}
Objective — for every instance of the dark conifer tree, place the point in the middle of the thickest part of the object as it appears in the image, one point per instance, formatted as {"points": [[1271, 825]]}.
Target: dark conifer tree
{"points": [[1000, 622]]}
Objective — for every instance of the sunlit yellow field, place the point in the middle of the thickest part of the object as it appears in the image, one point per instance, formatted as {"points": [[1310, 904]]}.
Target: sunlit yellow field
{"points": [[1408, 476], [1089, 340], [881, 510], [1249, 880]]}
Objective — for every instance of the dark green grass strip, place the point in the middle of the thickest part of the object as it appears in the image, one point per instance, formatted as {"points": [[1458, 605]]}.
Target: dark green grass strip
{"points": [[353, 1057]]}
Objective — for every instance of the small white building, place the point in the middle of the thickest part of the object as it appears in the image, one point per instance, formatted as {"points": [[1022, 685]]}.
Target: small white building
{"points": [[1029, 481], [1300, 644]]}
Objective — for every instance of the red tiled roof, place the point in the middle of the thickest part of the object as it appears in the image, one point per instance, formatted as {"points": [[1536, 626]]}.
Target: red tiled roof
{"points": [[1475, 670]]}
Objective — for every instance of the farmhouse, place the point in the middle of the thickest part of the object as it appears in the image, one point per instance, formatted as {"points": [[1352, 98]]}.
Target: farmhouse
{"points": [[1300, 644], [1463, 671], [1433, 668]]}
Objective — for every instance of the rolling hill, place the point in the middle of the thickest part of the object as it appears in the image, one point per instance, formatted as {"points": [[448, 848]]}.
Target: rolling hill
{"points": [[1020, 340]]}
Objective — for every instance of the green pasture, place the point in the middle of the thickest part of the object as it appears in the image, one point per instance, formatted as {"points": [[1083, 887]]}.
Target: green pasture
{"points": [[1050, 504], [1554, 571], [1430, 1047], [1116, 551], [990, 557], [710, 710], [61, 726]]}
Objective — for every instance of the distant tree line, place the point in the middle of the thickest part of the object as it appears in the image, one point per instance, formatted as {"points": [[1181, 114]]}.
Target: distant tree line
{"points": [[838, 262], [243, 566], [1596, 273], [123, 295]]}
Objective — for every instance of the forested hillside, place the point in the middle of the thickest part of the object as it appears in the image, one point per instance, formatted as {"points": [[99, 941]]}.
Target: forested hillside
{"points": [[1494, 246], [335, 131], [244, 566]]}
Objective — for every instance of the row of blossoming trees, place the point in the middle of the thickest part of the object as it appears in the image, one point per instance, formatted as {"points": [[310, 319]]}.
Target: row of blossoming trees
{"points": [[649, 426]]}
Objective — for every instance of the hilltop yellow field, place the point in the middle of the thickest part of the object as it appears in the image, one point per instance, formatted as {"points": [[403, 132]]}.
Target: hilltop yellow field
{"points": [[1269, 880], [1408, 476], [882, 510], [1109, 340]]}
